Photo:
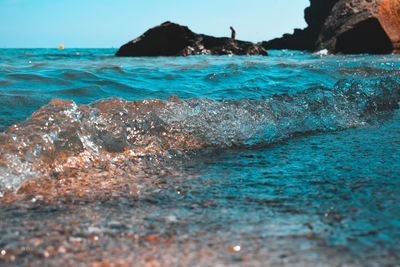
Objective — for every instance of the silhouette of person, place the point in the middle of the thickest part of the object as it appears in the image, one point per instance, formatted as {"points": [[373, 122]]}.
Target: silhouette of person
{"points": [[233, 35]]}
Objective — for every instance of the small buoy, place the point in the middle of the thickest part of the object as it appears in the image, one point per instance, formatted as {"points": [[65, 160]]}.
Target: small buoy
{"points": [[61, 47]]}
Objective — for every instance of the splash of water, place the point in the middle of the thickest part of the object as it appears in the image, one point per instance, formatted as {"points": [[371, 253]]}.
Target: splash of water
{"points": [[63, 139]]}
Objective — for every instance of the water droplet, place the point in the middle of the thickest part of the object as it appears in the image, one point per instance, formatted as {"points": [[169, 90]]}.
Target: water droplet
{"points": [[172, 218]]}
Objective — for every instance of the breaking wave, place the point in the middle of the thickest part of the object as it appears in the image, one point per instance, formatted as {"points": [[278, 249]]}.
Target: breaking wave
{"points": [[63, 139]]}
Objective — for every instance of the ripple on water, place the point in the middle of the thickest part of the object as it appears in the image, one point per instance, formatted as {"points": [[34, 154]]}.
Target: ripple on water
{"points": [[35, 78], [78, 74], [81, 91]]}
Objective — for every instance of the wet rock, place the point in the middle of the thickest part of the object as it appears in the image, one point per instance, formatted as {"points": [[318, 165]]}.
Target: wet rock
{"points": [[348, 27], [152, 238], [170, 39]]}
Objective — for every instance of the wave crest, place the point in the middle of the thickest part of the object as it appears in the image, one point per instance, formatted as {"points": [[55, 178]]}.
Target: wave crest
{"points": [[62, 139]]}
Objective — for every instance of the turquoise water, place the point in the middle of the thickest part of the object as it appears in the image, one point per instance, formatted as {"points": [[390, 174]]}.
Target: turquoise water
{"points": [[286, 160], [29, 79]]}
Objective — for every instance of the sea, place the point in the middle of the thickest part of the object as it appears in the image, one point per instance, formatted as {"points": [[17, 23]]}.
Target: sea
{"points": [[291, 159]]}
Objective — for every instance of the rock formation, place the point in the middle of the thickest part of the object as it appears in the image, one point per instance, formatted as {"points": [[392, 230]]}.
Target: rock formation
{"points": [[348, 27], [305, 39], [170, 39], [389, 17]]}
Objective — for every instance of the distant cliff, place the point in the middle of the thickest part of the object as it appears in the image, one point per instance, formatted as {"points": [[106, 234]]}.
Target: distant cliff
{"points": [[171, 39], [305, 39], [346, 26]]}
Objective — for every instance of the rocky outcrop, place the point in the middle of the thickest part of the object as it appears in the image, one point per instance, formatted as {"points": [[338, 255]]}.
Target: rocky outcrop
{"points": [[305, 39], [362, 26], [389, 17], [348, 27], [170, 39]]}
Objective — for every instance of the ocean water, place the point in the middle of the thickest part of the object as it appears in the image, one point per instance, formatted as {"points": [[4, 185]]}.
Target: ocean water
{"points": [[287, 160]]}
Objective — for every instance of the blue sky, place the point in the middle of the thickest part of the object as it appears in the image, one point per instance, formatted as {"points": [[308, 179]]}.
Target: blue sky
{"points": [[110, 23]]}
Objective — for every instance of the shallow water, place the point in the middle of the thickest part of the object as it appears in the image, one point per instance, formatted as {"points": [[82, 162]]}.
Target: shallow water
{"points": [[287, 160]]}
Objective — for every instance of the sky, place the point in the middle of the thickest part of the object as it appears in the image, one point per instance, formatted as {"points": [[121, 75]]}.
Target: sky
{"points": [[111, 23]]}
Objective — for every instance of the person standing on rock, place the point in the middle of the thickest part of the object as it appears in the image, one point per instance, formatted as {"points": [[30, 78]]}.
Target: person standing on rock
{"points": [[233, 34]]}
